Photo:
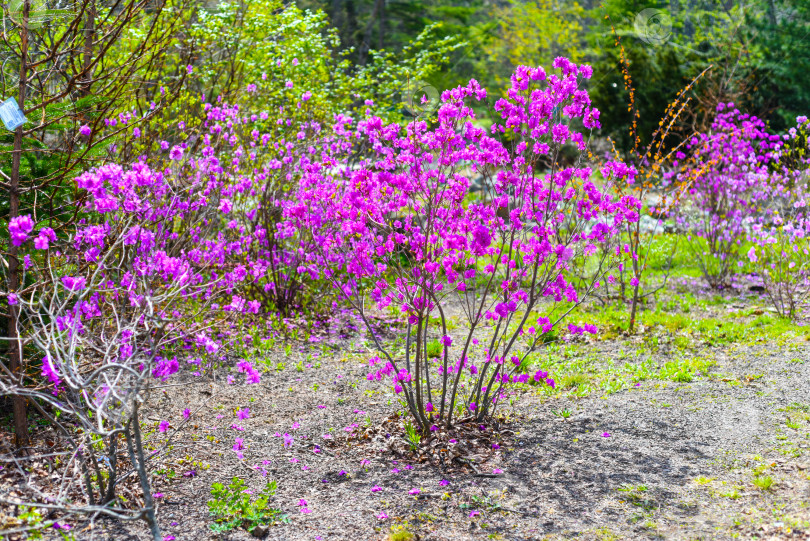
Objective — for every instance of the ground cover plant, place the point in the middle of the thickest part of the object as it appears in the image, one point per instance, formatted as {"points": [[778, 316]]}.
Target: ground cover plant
{"points": [[260, 284]]}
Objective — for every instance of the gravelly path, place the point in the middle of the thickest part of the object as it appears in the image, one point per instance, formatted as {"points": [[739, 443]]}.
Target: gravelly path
{"points": [[678, 462]]}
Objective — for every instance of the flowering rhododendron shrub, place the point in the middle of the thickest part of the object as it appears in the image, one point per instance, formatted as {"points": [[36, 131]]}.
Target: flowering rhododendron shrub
{"points": [[260, 151], [147, 252], [728, 178], [252, 151], [779, 235], [128, 305], [292, 75], [391, 227], [249, 152]]}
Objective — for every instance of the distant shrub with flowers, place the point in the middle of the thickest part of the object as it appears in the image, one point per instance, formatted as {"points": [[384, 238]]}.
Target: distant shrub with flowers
{"points": [[384, 207], [728, 176], [780, 234]]}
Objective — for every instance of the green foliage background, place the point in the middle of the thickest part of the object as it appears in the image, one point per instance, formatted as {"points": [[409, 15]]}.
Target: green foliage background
{"points": [[757, 49]]}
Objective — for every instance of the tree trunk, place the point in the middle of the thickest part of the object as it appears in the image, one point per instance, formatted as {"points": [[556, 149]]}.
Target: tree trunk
{"points": [[381, 28], [349, 31], [335, 15], [365, 47], [89, 34], [15, 351]]}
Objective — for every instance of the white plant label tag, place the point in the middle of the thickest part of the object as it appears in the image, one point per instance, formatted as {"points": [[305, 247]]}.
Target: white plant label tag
{"points": [[11, 114]]}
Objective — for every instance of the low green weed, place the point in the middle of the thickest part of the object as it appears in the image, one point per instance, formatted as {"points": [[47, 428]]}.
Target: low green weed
{"points": [[232, 507], [763, 482], [412, 436]]}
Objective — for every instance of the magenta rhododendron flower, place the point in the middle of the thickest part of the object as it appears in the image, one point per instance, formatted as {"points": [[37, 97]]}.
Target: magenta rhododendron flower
{"points": [[45, 237], [74, 283], [165, 367], [19, 228], [49, 371]]}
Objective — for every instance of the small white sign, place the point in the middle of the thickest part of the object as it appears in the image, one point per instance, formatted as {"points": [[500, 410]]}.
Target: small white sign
{"points": [[11, 114]]}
